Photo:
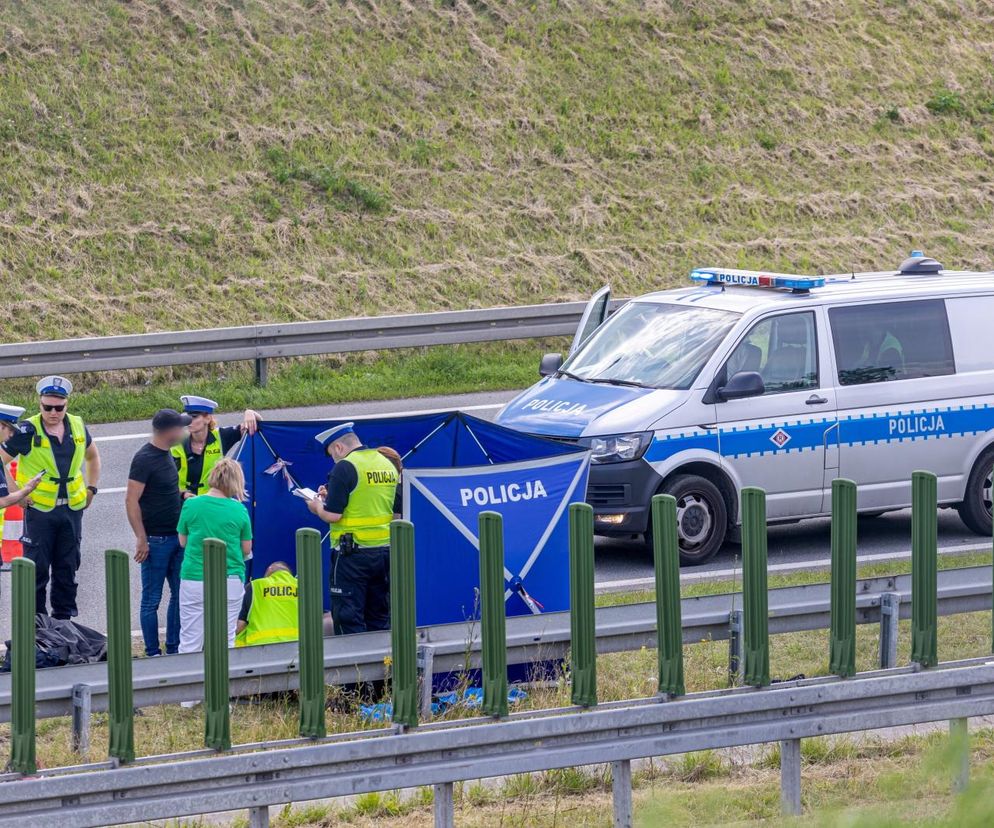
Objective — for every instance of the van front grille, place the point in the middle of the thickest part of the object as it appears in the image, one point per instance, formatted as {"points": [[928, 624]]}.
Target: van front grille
{"points": [[609, 494]]}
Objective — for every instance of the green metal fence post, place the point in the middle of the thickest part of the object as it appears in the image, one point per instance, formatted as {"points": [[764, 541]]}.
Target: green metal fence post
{"points": [[492, 619], [842, 636], [217, 717], [583, 634], [669, 625], [121, 706], [310, 626], [22, 657], [403, 626], [924, 566], [755, 601]]}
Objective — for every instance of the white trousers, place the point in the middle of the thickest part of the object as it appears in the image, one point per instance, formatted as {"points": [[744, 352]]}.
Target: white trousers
{"points": [[191, 613]]}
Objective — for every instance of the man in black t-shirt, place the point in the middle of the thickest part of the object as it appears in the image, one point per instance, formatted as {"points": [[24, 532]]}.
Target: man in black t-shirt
{"points": [[153, 503]]}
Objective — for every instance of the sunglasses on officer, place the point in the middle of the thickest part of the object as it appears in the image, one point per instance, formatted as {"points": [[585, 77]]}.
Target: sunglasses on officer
{"points": [[47, 407]]}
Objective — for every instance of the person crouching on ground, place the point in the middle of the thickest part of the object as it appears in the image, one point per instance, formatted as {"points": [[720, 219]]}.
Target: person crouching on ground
{"points": [[269, 608], [219, 514]]}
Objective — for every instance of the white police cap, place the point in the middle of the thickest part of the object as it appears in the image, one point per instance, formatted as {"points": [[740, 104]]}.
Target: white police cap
{"points": [[10, 413], [335, 433], [197, 405], [56, 386]]}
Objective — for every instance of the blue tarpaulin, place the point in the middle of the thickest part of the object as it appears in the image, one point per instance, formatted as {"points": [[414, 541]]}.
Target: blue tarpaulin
{"points": [[455, 466]]}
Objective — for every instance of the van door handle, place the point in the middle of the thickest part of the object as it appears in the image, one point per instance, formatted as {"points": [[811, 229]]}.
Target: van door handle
{"points": [[814, 399]]}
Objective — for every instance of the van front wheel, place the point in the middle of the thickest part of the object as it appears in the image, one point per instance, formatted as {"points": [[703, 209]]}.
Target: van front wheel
{"points": [[975, 510], [701, 518]]}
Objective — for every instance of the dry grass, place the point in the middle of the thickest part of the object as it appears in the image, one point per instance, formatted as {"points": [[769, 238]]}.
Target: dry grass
{"points": [[172, 164]]}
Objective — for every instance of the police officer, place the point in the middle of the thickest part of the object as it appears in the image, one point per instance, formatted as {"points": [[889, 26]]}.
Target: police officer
{"points": [[269, 609], [359, 501], [57, 446], [206, 443], [10, 494]]}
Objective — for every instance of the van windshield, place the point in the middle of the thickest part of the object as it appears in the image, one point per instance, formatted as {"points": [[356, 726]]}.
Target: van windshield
{"points": [[652, 345]]}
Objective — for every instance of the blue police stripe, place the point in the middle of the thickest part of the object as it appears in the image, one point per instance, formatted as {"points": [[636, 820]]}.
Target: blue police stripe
{"points": [[892, 427]]}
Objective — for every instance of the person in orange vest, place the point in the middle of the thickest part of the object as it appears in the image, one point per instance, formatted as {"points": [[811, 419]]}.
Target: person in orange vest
{"points": [[10, 494]]}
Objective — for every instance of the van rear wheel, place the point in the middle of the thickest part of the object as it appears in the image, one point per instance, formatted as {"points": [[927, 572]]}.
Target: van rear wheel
{"points": [[701, 518], [976, 508]]}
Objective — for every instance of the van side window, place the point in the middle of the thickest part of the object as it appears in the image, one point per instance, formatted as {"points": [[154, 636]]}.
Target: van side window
{"points": [[891, 341], [782, 350]]}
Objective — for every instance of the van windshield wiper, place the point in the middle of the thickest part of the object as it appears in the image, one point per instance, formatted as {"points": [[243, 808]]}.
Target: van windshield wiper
{"points": [[563, 373], [629, 383]]}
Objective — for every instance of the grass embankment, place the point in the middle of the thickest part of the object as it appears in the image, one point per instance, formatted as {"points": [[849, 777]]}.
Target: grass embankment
{"points": [[702, 788], [180, 164]]}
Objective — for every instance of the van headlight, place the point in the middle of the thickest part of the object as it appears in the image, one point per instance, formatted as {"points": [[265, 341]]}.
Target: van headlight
{"points": [[617, 448]]}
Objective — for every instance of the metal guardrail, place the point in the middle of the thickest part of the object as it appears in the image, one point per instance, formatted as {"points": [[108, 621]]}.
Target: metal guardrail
{"points": [[442, 754], [263, 342], [454, 647]]}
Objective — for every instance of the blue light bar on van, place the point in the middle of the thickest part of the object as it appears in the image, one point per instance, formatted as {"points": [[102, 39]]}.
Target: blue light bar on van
{"points": [[754, 278]]}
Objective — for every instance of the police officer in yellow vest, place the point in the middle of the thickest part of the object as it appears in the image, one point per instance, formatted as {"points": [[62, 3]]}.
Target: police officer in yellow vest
{"points": [[359, 501], [269, 609], [207, 442], [58, 446]]}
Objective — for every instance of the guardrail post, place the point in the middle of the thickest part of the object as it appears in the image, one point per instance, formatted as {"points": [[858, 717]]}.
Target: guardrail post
{"points": [[735, 663], [583, 635], [217, 716], [621, 793], [310, 630], [259, 816], [890, 617], [426, 669], [444, 805], [669, 627], [120, 690], [924, 566], [755, 602], [959, 737], [82, 708], [790, 777], [492, 620], [261, 372], [842, 637], [22, 657], [403, 626]]}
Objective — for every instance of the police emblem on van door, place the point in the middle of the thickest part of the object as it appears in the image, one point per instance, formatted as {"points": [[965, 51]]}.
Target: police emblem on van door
{"points": [[779, 438]]}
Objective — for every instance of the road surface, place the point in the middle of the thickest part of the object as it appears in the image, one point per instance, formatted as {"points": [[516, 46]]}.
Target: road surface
{"points": [[621, 564]]}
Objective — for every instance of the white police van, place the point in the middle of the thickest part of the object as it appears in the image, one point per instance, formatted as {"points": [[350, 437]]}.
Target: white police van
{"points": [[779, 381]]}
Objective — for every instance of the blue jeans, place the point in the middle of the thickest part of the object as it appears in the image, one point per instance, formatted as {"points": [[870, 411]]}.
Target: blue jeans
{"points": [[165, 557]]}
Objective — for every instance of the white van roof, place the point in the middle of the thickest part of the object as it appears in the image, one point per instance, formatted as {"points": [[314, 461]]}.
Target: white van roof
{"points": [[918, 277]]}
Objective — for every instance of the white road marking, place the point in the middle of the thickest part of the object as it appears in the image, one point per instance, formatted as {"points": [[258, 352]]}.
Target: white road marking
{"points": [[795, 566], [488, 407]]}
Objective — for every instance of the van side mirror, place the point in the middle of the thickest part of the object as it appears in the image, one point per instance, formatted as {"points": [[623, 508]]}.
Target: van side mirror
{"points": [[741, 385], [550, 364]]}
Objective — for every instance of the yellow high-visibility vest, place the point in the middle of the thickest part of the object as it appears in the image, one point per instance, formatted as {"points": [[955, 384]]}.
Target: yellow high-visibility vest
{"points": [[213, 451], [273, 614], [368, 514], [41, 459]]}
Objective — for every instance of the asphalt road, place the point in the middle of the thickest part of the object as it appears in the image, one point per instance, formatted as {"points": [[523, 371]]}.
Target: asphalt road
{"points": [[621, 564]]}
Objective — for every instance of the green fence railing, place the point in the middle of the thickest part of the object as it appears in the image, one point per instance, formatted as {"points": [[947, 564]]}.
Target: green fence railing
{"points": [[583, 635], [217, 715], [120, 691], [842, 633], [404, 688]]}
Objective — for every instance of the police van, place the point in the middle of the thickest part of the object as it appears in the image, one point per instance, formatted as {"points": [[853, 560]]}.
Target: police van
{"points": [[779, 381]]}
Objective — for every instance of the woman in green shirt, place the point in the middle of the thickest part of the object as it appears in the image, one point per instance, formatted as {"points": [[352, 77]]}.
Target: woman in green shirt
{"points": [[219, 513]]}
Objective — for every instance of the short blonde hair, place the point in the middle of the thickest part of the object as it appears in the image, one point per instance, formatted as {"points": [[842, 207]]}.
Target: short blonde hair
{"points": [[227, 476]]}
